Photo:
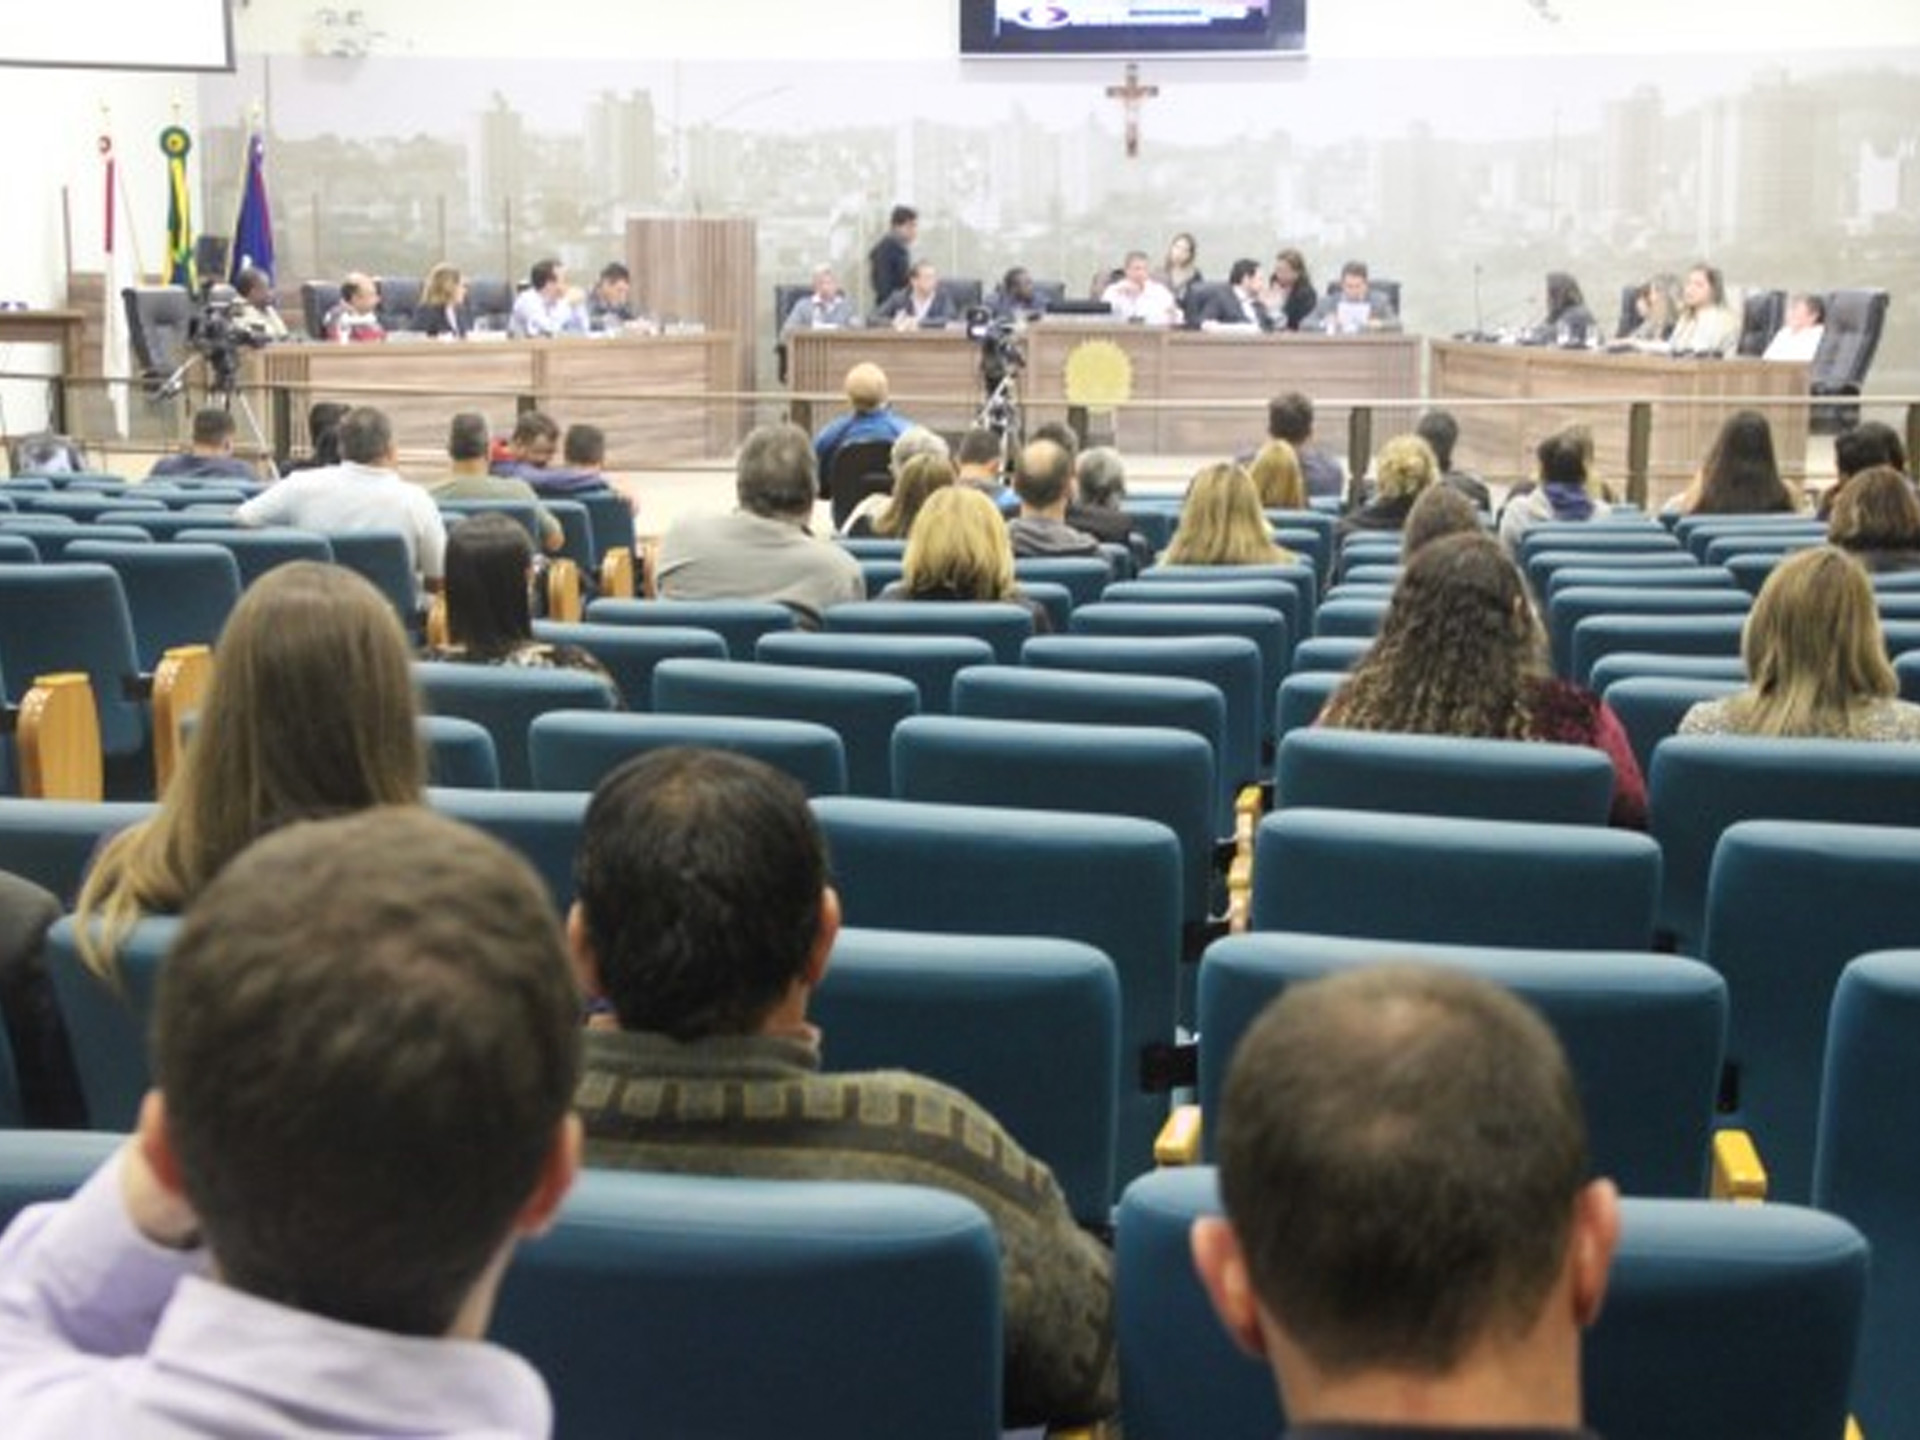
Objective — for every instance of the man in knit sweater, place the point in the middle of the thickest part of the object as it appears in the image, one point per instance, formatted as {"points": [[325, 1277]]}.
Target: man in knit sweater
{"points": [[704, 922]]}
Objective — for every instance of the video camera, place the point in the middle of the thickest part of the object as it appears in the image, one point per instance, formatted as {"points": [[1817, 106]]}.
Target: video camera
{"points": [[1001, 351], [214, 334]]}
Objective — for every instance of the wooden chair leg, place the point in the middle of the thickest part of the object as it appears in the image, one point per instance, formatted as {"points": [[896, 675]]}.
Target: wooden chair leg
{"points": [[438, 634], [58, 735], [616, 573], [179, 686], [563, 591]]}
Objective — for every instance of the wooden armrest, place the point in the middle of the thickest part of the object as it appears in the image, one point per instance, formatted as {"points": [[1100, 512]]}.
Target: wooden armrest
{"points": [[563, 590], [57, 727], [1098, 1430], [1854, 1432], [438, 634], [1738, 1175], [648, 582], [1178, 1142], [1250, 802], [616, 573], [179, 685]]}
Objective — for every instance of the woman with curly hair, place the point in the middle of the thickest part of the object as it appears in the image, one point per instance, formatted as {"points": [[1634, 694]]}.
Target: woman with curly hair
{"points": [[1222, 523], [1461, 653]]}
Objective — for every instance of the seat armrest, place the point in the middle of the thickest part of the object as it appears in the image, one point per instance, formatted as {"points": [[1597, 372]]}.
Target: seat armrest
{"points": [[563, 590], [57, 727], [1738, 1175], [179, 687], [1178, 1142], [616, 573]]}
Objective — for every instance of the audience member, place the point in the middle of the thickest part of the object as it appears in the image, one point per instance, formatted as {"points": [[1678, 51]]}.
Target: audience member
{"points": [[1876, 519], [349, 1132], [1404, 467], [1043, 479], [980, 461], [1290, 418], [1816, 662], [610, 301], [1706, 324], [363, 492], [467, 477], [1740, 475], [1442, 432], [530, 448], [1562, 493], [1355, 307], [209, 454], [890, 261], [310, 712], [1060, 433], [959, 550], [1138, 297], [705, 919], [890, 515], [1437, 511], [1276, 473], [1799, 338], [763, 550], [1412, 1239], [869, 417], [1180, 272], [356, 317], [1291, 298], [582, 469], [442, 311], [1242, 304], [490, 575], [1221, 523], [825, 309], [323, 436], [1862, 447], [254, 312], [920, 302], [1099, 502], [543, 309], [1461, 652]]}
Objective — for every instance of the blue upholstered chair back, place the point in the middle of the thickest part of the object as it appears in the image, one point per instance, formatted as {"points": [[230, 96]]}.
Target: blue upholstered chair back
{"points": [[505, 699], [1085, 576], [543, 826], [1644, 1034], [632, 653], [871, 1306], [1338, 769], [930, 661], [1602, 635], [1651, 707], [383, 559], [1466, 882], [1542, 565], [1283, 596], [576, 749], [740, 623], [460, 753], [258, 551], [1029, 1028], [1300, 699], [1611, 577], [1568, 607], [1004, 626], [108, 1028], [168, 524], [177, 594], [51, 842], [1338, 653], [526, 512]]}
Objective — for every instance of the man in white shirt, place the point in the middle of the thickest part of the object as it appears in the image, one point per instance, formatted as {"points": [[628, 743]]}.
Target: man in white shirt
{"points": [[1800, 337], [1138, 297], [543, 308], [348, 1135], [363, 492]]}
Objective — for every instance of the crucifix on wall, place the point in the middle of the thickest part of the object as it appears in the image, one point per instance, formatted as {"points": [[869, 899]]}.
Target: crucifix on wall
{"points": [[1130, 95]]}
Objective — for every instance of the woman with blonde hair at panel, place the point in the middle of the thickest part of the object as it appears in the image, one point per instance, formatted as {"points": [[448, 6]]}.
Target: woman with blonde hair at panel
{"points": [[1405, 466], [1222, 523], [1707, 325], [1278, 477], [1816, 662], [959, 551], [311, 712], [442, 308]]}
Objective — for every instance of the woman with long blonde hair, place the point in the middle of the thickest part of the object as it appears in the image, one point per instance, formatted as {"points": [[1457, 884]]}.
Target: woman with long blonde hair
{"points": [[443, 299], [1222, 523], [311, 712], [1816, 661], [959, 550], [1278, 477], [1461, 652]]}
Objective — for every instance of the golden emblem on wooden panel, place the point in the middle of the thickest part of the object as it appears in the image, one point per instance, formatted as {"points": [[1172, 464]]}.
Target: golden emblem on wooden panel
{"points": [[1099, 375]]}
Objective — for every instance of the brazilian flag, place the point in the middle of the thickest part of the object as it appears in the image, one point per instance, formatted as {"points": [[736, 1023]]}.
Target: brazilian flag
{"points": [[175, 144]]}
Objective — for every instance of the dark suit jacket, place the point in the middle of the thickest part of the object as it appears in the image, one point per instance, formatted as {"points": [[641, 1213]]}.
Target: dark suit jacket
{"points": [[901, 300], [888, 265], [1223, 307], [434, 320]]}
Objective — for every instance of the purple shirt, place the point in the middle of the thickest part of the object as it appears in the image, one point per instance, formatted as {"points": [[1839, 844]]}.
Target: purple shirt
{"points": [[104, 1333]]}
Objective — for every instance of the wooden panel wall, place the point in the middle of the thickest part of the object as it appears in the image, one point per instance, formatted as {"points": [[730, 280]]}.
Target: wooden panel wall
{"points": [[698, 268]]}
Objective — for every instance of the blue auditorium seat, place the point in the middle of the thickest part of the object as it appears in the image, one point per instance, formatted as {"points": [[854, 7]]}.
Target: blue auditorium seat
{"points": [[740, 623], [577, 749], [1338, 769], [544, 827], [108, 1027], [1004, 626], [505, 699], [460, 753], [930, 661], [177, 594], [632, 653]]}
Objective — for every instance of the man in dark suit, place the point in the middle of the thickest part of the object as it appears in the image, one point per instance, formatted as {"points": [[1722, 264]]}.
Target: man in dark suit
{"points": [[920, 301], [1239, 306], [891, 259]]}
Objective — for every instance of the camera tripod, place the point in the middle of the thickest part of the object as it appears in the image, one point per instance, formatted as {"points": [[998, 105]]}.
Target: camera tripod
{"points": [[223, 385], [1003, 415]]}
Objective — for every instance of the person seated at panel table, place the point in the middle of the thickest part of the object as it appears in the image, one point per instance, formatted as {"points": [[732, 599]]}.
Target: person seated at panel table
{"points": [[869, 417], [1138, 298], [920, 302], [1221, 523], [1816, 661], [1563, 491], [1707, 325], [609, 305], [1740, 475], [959, 551], [1656, 304], [1799, 338], [1405, 466], [827, 308], [1568, 321], [209, 455], [1180, 270], [1876, 519], [1016, 299], [544, 308], [442, 311], [255, 313], [1461, 652], [467, 477], [1291, 299], [1355, 307], [356, 318], [1242, 305]]}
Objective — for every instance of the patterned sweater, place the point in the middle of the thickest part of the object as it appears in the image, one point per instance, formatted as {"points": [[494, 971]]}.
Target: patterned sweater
{"points": [[758, 1107]]}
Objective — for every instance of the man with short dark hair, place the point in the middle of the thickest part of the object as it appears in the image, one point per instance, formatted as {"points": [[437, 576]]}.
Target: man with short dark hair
{"points": [[920, 302], [1290, 418], [610, 302], [763, 550], [1242, 305], [705, 919], [468, 477], [1442, 432], [543, 308], [1043, 479], [1355, 307], [363, 492], [1862, 447], [977, 464], [891, 259], [346, 1139], [1412, 1239], [209, 454]]}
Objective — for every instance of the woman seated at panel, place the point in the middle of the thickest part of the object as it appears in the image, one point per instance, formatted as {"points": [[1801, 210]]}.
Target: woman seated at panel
{"points": [[311, 712], [1278, 477], [1655, 306], [1816, 661], [1405, 466], [1461, 652], [959, 551], [1568, 320], [1563, 492], [1876, 519], [1740, 475], [1706, 325], [442, 310], [1222, 523], [1291, 298], [490, 575]]}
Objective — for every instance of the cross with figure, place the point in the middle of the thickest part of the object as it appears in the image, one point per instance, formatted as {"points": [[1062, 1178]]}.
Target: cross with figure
{"points": [[1130, 95]]}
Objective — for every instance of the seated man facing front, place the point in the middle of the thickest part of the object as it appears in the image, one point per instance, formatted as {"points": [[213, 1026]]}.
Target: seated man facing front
{"points": [[209, 456], [825, 309], [316, 1251], [543, 308], [1138, 297], [1411, 1241], [920, 302], [1356, 307], [705, 920]]}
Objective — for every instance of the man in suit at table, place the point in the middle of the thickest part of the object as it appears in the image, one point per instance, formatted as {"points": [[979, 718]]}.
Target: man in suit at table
{"points": [[1239, 306], [1355, 307], [1412, 1239], [920, 302]]}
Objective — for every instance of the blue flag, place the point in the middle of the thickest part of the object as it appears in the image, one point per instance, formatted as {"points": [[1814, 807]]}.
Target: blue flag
{"points": [[253, 228]]}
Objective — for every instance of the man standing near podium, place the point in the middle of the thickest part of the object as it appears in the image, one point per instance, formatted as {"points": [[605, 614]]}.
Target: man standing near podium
{"points": [[890, 262]]}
